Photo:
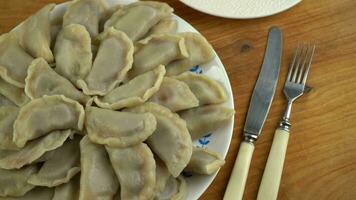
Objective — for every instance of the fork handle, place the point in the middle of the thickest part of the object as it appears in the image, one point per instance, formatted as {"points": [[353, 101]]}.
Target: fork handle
{"points": [[236, 186], [273, 171]]}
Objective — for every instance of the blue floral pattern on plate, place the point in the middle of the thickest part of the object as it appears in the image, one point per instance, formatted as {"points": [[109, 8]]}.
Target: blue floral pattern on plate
{"points": [[196, 69]]}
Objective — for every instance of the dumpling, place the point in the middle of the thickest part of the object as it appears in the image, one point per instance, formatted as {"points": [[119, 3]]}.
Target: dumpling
{"points": [[175, 189], [15, 94], [14, 182], [43, 115], [199, 50], [34, 34], [157, 50], [134, 92], [167, 25], [87, 13], [13, 60], [63, 164], [96, 170], [204, 161], [171, 141], [4, 101], [68, 191], [136, 169], [207, 90], [162, 176], [43, 80], [15, 159], [8, 115], [204, 119], [137, 19], [175, 95], [73, 53], [113, 61], [118, 129], [38, 193]]}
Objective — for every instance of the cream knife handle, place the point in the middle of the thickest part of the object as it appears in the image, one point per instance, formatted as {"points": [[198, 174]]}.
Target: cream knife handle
{"points": [[273, 171], [236, 186]]}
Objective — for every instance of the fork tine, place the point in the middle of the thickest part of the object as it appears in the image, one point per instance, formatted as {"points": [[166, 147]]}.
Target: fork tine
{"points": [[308, 67], [296, 68], [292, 64], [301, 69]]}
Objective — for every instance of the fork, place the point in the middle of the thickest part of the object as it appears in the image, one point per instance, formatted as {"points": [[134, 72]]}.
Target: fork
{"points": [[293, 88]]}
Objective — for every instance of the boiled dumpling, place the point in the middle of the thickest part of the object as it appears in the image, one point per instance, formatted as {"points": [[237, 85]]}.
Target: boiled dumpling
{"points": [[43, 115], [73, 53], [162, 176], [34, 34], [157, 50], [13, 93], [164, 26], [113, 61], [175, 189], [175, 95], [13, 60], [207, 90], [136, 169], [43, 80], [63, 164], [134, 92], [204, 161], [68, 191], [38, 193], [15, 159], [8, 116], [171, 141], [87, 13], [199, 50], [14, 182], [136, 19], [98, 179], [118, 129], [203, 120], [4, 101]]}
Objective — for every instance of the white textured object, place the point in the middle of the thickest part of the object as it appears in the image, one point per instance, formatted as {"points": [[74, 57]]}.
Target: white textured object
{"points": [[241, 9]]}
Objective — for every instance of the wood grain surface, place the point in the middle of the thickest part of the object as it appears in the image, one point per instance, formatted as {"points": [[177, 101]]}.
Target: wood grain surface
{"points": [[321, 156]]}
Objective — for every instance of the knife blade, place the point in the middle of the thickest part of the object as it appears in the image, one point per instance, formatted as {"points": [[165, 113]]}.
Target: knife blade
{"points": [[260, 104]]}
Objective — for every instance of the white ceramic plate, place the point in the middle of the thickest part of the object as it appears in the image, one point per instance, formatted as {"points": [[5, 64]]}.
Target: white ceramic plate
{"points": [[241, 9], [219, 141]]}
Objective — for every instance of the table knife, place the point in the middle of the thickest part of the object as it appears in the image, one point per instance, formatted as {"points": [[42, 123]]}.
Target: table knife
{"points": [[260, 104]]}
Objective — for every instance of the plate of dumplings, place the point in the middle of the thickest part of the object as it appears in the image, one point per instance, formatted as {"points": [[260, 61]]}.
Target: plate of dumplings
{"points": [[110, 99]]}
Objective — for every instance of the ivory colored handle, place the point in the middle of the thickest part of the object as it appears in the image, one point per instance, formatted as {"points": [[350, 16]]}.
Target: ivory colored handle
{"points": [[274, 167], [236, 186]]}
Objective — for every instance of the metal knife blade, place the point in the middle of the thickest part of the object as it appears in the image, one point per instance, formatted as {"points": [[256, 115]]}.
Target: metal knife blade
{"points": [[265, 87]]}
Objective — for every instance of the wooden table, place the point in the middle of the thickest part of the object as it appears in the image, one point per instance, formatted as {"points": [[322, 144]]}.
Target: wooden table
{"points": [[321, 157]]}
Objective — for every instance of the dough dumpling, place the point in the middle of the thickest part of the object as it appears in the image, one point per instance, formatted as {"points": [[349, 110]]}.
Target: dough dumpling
{"points": [[68, 191], [207, 90], [43, 115], [13, 93], [134, 92], [113, 61], [175, 95], [98, 179], [136, 169], [138, 18], [162, 176], [116, 128], [63, 164], [15, 159], [8, 116], [87, 13], [43, 80], [157, 50], [14, 182], [171, 141], [164, 26], [73, 53], [204, 161], [38, 193], [13, 60], [199, 50], [34, 34], [205, 119], [175, 189]]}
